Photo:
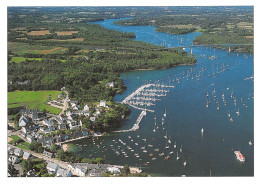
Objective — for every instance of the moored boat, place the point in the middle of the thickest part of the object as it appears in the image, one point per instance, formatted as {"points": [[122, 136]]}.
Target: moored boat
{"points": [[239, 156]]}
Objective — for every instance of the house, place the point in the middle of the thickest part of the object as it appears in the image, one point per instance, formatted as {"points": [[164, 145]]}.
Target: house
{"points": [[30, 138], [31, 173], [86, 108], [18, 152], [64, 137], [52, 167], [14, 159], [102, 103], [47, 154], [68, 113], [26, 155], [114, 170], [73, 125], [62, 126], [97, 113], [47, 122], [95, 173], [57, 138], [97, 134], [92, 119], [111, 84], [80, 170], [84, 133], [74, 105], [24, 130], [33, 114], [45, 130], [63, 173], [23, 121]]}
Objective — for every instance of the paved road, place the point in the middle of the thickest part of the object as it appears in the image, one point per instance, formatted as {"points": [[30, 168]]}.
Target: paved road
{"points": [[65, 103]]}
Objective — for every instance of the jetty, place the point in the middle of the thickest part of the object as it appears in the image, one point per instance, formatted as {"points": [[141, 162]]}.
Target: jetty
{"points": [[136, 125]]}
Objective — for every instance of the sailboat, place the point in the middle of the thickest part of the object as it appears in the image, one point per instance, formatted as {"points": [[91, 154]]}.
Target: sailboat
{"points": [[162, 121], [237, 112], [169, 141], [207, 94], [228, 114], [250, 143], [181, 149], [174, 145], [177, 158], [202, 131], [165, 135], [167, 146], [184, 163], [164, 113], [207, 105]]}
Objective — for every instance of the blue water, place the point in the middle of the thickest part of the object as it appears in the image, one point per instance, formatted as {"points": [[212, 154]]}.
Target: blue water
{"points": [[187, 113]]}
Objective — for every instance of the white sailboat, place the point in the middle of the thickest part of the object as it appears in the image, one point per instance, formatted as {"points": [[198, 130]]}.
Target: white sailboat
{"points": [[177, 158], [165, 135], [184, 163], [181, 149], [250, 143], [202, 131], [174, 144], [238, 112], [167, 146], [162, 121], [164, 113], [169, 141]]}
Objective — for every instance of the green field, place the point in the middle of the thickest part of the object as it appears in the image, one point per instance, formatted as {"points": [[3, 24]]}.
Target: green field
{"points": [[33, 100], [25, 48], [22, 59], [24, 145], [15, 138]]}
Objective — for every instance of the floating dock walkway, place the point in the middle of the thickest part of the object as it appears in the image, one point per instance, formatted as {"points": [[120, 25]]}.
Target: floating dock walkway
{"points": [[136, 125]]}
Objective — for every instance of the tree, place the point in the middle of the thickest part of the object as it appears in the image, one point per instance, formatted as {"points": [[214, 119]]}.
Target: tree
{"points": [[126, 169], [27, 165], [60, 154], [55, 148]]}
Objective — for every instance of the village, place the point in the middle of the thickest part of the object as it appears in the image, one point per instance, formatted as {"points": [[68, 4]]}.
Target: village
{"points": [[44, 134]]}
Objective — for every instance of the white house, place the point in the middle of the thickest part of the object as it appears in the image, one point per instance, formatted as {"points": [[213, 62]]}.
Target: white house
{"points": [[92, 119], [52, 167], [30, 138], [23, 121], [63, 173], [102, 103], [26, 155], [18, 152], [47, 122], [86, 108], [111, 84], [114, 170], [80, 170]]}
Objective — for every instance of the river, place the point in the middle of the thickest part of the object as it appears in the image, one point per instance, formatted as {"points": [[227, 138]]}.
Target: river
{"points": [[209, 153]]}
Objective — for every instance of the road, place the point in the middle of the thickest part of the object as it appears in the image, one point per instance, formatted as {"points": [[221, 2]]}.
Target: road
{"points": [[65, 103]]}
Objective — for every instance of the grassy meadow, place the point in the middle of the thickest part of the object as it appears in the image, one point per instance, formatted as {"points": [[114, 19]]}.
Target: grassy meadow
{"points": [[33, 100]]}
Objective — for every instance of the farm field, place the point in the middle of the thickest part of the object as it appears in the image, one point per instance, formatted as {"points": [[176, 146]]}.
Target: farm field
{"points": [[33, 100], [25, 48], [22, 59]]}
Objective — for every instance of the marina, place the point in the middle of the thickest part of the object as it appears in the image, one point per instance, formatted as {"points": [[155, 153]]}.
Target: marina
{"points": [[204, 111]]}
